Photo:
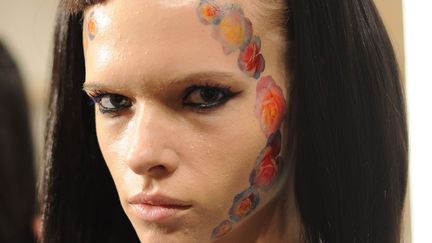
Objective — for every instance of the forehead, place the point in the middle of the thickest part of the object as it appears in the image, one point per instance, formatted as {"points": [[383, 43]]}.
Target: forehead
{"points": [[161, 36]]}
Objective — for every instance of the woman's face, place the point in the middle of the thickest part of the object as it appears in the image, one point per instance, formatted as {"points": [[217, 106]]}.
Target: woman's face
{"points": [[187, 115]]}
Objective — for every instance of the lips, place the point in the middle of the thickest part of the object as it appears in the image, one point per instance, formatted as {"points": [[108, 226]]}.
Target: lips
{"points": [[157, 208]]}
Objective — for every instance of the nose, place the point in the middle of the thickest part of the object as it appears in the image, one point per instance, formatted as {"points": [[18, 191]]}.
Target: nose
{"points": [[151, 149]]}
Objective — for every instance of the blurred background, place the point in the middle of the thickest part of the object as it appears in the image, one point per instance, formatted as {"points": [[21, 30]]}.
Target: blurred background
{"points": [[26, 29]]}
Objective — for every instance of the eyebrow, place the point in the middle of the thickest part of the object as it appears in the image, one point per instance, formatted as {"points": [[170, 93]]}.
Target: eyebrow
{"points": [[178, 80]]}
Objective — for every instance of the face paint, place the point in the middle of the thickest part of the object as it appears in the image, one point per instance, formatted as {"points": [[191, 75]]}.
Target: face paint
{"points": [[91, 27], [234, 32], [267, 169], [250, 60], [230, 27], [270, 105], [224, 228], [94, 23], [244, 203], [208, 12]]}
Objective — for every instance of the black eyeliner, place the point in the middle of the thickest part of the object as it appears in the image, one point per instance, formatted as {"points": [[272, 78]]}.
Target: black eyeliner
{"points": [[225, 90]]}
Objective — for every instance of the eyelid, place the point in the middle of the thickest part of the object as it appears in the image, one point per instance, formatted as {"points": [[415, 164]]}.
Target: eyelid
{"points": [[195, 87], [97, 95], [202, 107]]}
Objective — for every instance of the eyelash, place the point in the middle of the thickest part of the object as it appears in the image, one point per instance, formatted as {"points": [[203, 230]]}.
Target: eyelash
{"points": [[223, 90], [97, 96]]}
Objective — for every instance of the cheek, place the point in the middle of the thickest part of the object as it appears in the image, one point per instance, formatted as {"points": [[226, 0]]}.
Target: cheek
{"points": [[113, 147], [220, 162]]}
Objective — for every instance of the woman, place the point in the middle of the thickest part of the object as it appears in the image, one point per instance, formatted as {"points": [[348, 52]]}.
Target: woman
{"points": [[226, 121]]}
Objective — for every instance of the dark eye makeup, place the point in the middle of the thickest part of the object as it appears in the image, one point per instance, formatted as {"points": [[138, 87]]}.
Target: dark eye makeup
{"points": [[109, 102], [200, 98], [208, 96]]}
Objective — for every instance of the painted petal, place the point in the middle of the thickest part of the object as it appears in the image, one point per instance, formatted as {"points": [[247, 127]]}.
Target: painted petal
{"points": [[270, 105], [244, 203], [266, 170], [250, 61], [234, 30], [208, 12], [223, 228], [91, 27]]}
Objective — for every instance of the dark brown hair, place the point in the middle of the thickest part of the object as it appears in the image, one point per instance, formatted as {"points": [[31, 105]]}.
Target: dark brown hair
{"points": [[346, 122], [17, 174]]}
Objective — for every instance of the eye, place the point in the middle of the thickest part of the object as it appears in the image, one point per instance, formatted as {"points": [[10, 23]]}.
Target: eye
{"points": [[111, 103], [207, 96]]}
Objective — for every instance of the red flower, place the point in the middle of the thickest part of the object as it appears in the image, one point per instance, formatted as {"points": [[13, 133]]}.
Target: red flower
{"points": [[250, 60], [267, 169], [222, 229], [265, 173], [270, 105], [244, 203]]}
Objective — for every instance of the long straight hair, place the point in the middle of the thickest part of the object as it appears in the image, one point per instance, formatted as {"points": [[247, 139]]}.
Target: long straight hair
{"points": [[17, 174], [346, 121]]}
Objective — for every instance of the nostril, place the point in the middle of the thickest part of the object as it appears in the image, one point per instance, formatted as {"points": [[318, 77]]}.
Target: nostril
{"points": [[158, 171]]}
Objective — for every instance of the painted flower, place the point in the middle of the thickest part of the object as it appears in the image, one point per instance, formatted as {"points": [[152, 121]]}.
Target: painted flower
{"points": [[244, 203], [224, 228], [264, 174], [267, 169], [270, 105], [208, 12], [91, 27], [234, 30], [274, 142], [250, 60]]}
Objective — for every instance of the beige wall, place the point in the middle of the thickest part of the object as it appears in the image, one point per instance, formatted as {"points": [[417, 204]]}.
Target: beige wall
{"points": [[391, 12], [26, 28]]}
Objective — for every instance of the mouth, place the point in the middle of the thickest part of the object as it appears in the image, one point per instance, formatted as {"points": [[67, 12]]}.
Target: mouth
{"points": [[157, 208]]}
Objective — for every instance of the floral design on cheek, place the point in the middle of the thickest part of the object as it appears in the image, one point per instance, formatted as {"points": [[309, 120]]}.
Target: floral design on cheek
{"points": [[224, 228], [244, 203], [234, 32], [270, 105], [267, 169]]}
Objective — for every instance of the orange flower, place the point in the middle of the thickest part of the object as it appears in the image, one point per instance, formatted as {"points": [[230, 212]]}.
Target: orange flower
{"points": [[208, 12], [233, 31], [270, 105], [91, 27]]}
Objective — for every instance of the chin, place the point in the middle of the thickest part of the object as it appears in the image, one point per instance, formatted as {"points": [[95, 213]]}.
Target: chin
{"points": [[157, 236]]}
